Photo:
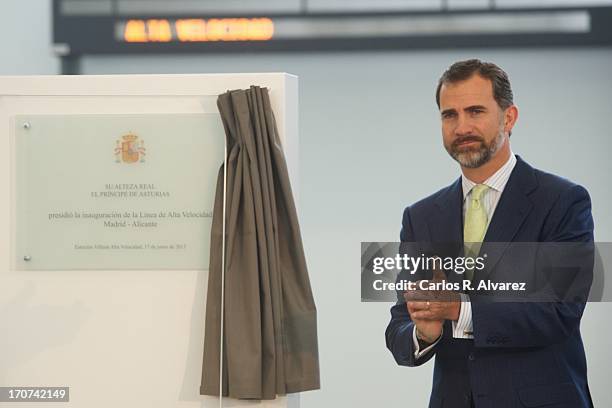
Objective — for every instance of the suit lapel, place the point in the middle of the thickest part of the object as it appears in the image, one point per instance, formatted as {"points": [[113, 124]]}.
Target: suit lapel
{"points": [[513, 207], [447, 226]]}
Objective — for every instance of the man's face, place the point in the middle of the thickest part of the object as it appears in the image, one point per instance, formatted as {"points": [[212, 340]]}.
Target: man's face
{"points": [[472, 121]]}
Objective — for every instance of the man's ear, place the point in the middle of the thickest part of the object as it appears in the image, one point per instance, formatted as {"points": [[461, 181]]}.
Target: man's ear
{"points": [[510, 118]]}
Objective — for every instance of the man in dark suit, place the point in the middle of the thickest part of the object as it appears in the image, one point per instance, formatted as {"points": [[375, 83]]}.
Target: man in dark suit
{"points": [[493, 354]]}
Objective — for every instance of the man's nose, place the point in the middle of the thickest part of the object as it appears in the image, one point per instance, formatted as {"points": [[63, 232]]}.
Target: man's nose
{"points": [[464, 126]]}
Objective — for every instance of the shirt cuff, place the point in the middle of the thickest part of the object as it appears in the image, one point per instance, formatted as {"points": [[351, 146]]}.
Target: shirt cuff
{"points": [[419, 353], [462, 328]]}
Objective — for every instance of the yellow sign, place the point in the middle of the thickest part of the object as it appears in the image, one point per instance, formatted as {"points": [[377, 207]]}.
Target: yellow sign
{"points": [[198, 30]]}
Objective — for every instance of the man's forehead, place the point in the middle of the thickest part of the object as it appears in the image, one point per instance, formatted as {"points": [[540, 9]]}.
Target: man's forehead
{"points": [[474, 90]]}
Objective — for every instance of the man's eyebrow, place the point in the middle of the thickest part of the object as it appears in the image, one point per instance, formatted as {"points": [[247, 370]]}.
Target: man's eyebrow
{"points": [[473, 107], [445, 111]]}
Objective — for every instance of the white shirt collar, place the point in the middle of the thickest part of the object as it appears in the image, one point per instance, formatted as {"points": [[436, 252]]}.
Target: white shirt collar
{"points": [[497, 181]]}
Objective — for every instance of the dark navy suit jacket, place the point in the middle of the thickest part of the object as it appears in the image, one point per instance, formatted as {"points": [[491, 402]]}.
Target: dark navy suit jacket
{"points": [[523, 354]]}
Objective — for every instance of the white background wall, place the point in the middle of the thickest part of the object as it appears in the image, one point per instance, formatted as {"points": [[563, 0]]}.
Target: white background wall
{"points": [[369, 145]]}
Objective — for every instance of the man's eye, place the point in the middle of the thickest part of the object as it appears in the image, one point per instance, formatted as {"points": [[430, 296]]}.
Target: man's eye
{"points": [[448, 115], [475, 111]]}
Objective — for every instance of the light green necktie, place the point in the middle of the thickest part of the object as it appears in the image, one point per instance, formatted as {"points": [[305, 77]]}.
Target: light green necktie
{"points": [[475, 226]]}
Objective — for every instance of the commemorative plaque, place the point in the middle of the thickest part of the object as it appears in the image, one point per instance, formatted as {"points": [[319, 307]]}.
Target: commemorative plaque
{"points": [[115, 191]]}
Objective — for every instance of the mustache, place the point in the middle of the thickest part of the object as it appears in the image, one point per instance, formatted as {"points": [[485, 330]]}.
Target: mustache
{"points": [[469, 138]]}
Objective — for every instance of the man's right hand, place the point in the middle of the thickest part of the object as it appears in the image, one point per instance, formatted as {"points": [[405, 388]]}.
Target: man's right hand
{"points": [[427, 330]]}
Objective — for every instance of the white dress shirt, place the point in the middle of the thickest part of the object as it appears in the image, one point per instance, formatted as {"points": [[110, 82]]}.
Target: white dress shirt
{"points": [[462, 328]]}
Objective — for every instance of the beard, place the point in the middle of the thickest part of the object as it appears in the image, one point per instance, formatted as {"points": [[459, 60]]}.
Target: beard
{"points": [[476, 156]]}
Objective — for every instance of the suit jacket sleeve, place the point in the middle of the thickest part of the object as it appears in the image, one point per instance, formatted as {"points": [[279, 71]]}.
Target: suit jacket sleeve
{"points": [[399, 331], [524, 324]]}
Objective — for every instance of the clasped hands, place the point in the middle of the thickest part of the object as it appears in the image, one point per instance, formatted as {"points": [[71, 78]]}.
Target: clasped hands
{"points": [[429, 308]]}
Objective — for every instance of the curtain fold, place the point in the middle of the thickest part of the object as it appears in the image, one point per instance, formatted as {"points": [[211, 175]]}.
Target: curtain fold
{"points": [[270, 330]]}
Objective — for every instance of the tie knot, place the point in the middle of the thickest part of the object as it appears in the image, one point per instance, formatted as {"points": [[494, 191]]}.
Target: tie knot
{"points": [[478, 190]]}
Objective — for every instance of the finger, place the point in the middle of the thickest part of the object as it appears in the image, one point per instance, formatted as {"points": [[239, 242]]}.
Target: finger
{"points": [[415, 306], [438, 275], [427, 315], [417, 295], [431, 314], [422, 315], [411, 309]]}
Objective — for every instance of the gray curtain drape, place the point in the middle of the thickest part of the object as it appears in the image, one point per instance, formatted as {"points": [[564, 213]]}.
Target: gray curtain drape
{"points": [[270, 330]]}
